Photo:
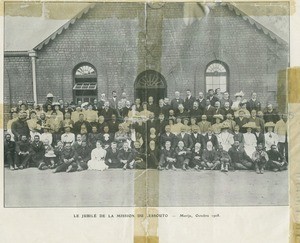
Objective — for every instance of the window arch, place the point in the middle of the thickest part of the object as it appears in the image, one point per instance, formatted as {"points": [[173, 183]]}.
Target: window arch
{"points": [[85, 82], [216, 76]]}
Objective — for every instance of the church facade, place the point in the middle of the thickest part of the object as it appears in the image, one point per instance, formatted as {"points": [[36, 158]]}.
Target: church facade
{"points": [[148, 50]]}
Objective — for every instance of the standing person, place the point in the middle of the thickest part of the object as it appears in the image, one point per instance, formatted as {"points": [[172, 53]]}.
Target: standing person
{"points": [[151, 105], [152, 155], [196, 112], [107, 111], [23, 152], [125, 156], [260, 159], [33, 125], [225, 138], [253, 103], [113, 101], [49, 101], [176, 101], [209, 111], [185, 138], [37, 153], [210, 137], [210, 158], [260, 137], [238, 98], [226, 109], [270, 114], [189, 100], [10, 152], [67, 160], [281, 129], [167, 136], [250, 141], [276, 162], [20, 127], [201, 101], [237, 136], [211, 97], [14, 117], [97, 161], [239, 159], [225, 99], [93, 137], [270, 137]]}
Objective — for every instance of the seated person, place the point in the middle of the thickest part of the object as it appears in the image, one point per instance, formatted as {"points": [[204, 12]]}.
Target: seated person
{"points": [[260, 158], [68, 137], [50, 156], [93, 137], [167, 136], [125, 156], [37, 153], [83, 155], [111, 159], [167, 157], [10, 152], [139, 156], [224, 158], [210, 157], [23, 152], [196, 157], [183, 156], [185, 138], [67, 161], [106, 137], [152, 155], [239, 159], [97, 161], [276, 161]]}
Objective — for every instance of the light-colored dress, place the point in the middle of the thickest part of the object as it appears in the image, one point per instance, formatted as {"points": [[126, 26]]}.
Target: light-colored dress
{"points": [[250, 143], [97, 161]]}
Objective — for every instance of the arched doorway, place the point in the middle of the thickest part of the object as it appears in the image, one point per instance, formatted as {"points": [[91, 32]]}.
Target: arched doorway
{"points": [[150, 83], [85, 83]]}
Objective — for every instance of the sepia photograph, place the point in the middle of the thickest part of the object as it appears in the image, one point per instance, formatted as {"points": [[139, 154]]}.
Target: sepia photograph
{"points": [[139, 104]]}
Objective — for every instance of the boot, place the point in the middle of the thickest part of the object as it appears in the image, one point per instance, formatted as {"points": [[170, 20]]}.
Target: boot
{"points": [[226, 168], [222, 168], [173, 167]]}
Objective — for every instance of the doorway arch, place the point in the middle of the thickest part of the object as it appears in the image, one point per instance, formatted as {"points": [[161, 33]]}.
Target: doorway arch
{"points": [[150, 83]]}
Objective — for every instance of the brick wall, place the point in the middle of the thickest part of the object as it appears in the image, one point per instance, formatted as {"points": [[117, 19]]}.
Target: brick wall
{"points": [[111, 37]]}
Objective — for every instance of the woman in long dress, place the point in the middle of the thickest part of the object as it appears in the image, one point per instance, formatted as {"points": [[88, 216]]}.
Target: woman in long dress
{"points": [[250, 141], [97, 161]]}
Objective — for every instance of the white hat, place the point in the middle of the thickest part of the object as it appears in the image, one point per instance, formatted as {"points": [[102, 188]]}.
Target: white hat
{"points": [[49, 95], [241, 93]]}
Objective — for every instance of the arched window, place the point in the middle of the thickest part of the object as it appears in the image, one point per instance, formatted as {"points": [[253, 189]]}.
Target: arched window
{"points": [[216, 76], [85, 83]]}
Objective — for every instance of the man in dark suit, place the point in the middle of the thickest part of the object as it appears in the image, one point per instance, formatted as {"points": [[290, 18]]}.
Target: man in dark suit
{"points": [[211, 97], [151, 105], [196, 112], [125, 156], [106, 111], [113, 102], [241, 121], [189, 100], [210, 137], [23, 152], [201, 101], [209, 111], [240, 160], [253, 103], [79, 123], [197, 137], [37, 152], [185, 138], [176, 101], [10, 152], [20, 126], [167, 136]]}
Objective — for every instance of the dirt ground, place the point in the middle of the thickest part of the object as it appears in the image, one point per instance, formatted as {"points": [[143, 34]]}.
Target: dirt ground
{"points": [[34, 188]]}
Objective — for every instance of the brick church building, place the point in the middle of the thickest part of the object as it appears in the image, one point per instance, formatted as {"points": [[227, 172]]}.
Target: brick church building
{"points": [[146, 49]]}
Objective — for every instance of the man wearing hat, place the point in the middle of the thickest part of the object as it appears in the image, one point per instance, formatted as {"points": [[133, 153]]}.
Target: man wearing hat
{"points": [[270, 137], [49, 101], [225, 138]]}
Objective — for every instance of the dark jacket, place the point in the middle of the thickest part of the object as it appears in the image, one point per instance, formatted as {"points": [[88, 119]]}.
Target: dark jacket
{"points": [[19, 128], [237, 155]]}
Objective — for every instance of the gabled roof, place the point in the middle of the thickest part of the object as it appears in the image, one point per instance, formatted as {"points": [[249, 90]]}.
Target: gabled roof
{"points": [[274, 24], [24, 33]]}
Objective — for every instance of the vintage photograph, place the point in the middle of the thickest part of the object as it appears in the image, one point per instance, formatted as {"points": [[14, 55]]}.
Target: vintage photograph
{"points": [[145, 104]]}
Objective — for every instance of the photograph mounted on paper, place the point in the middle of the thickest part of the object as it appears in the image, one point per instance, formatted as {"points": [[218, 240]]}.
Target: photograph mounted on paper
{"points": [[145, 104]]}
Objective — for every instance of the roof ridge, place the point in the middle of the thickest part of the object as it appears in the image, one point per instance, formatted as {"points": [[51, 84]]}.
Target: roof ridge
{"points": [[64, 27], [255, 23]]}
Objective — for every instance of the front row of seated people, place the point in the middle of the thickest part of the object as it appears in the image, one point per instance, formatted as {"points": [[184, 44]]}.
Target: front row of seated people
{"points": [[67, 157]]}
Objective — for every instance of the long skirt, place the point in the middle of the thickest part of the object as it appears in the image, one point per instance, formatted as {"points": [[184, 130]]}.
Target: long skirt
{"points": [[97, 164]]}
